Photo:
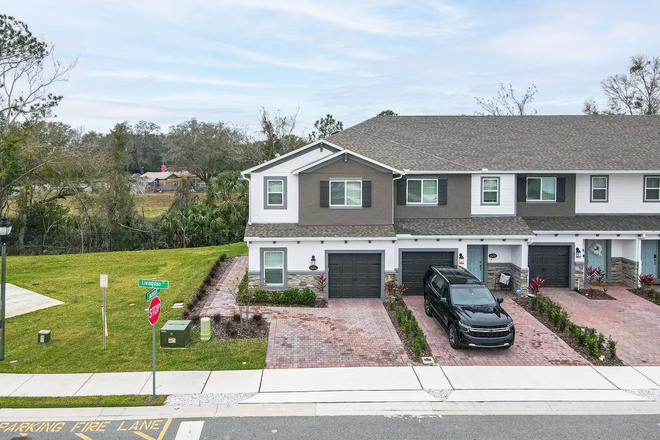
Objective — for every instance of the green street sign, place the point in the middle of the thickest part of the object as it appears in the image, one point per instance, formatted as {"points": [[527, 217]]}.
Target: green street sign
{"points": [[152, 294], [156, 284]]}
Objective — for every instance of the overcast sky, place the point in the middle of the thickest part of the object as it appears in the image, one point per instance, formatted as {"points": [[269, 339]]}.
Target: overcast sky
{"points": [[167, 61]]}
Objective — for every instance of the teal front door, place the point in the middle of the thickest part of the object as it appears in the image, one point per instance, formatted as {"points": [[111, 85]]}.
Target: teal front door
{"points": [[597, 252], [475, 260], [650, 257]]}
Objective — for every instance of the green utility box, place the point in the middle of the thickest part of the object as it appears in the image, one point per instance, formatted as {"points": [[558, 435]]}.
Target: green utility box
{"points": [[44, 336], [175, 334]]}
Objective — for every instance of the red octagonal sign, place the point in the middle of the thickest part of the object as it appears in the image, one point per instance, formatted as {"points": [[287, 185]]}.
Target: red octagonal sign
{"points": [[154, 310]]}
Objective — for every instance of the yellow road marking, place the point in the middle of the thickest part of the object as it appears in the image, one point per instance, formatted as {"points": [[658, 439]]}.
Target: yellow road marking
{"points": [[83, 436], [160, 437]]}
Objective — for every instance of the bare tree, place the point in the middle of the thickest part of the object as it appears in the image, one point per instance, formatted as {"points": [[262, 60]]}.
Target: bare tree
{"points": [[634, 93], [506, 103], [24, 82]]}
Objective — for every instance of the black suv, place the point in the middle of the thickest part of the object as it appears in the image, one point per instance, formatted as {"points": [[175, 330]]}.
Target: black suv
{"points": [[466, 309]]}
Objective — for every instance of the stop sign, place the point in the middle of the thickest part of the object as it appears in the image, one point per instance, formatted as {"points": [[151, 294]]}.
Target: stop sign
{"points": [[154, 310]]}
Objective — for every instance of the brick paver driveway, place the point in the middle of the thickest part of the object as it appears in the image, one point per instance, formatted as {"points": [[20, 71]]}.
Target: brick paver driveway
{"points": [[349, 333], [535, 344], [632, 321]]}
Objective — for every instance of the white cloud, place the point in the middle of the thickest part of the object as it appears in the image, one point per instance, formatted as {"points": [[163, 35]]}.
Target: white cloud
{"points": [[163, 77]]}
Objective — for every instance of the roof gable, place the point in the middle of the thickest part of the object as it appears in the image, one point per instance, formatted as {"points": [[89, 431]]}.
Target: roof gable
{"points": [[320, 145]]}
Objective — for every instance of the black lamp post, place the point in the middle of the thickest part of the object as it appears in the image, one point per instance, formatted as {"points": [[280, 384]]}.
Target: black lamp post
{"points": [[5, 229]]}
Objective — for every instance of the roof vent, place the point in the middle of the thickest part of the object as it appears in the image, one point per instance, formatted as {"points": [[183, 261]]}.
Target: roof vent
{"points": [[484, 169], [335, 132]]}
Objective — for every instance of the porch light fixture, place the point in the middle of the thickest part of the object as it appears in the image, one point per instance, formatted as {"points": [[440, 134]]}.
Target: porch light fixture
{"points": [[578, 253], [461, 259], [312, 263]]}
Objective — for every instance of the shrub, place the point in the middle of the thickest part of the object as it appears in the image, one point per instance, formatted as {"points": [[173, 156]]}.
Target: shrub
{"points": [[216, 319], [611, 346], [256, 318], [417, 347], [563, 320], [398, 312], [592, 344], [236, 317], [223, 257]]}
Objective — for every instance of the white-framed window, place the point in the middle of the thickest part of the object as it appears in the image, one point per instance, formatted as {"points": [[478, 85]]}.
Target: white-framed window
{"points": [[652, 188], [274, 268], [422, 191], [490, 191], [275, 195], [346, 193], [599, 188], [541, 189]]}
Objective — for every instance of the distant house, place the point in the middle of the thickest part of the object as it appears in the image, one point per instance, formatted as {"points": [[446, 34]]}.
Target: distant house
{"points": [[167, 181]]}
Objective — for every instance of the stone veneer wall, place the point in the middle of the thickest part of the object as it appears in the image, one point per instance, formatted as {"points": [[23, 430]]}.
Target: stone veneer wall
{"points": [[519, 277], [578, 276], [616, 269], [293, 281], [629, 273]]}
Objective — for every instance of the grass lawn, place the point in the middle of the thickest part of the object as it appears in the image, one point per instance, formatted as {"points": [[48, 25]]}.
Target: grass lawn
{"points": [[76, 326], [153, 204], [81, 402]]}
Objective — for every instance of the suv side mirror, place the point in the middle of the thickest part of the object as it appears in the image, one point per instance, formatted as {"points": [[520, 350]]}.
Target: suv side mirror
{"points": [[500, 299]]}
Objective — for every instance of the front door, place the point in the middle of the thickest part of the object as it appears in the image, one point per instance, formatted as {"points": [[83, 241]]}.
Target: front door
{"points": [[475, 260], [597, 252], [650, 257]]}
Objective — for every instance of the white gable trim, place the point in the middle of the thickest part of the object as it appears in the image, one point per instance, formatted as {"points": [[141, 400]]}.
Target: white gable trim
{"points": [[288, 155], [339, 154]]}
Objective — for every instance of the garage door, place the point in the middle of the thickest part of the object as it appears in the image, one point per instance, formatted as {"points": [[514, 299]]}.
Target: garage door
{"points": [[415, 264], [354, 276], [551, 263]]}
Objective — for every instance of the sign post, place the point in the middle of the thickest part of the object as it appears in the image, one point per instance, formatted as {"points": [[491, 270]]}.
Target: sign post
{"points": [[104, 285], [154, 314]]}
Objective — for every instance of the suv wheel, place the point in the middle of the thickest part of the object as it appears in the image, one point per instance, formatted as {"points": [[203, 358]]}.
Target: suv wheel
{"points": [[453, 337], [427, 306]]}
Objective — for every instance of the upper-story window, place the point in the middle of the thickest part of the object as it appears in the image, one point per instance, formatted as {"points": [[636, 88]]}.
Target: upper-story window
{"points": [[346, 193], [652, 188], [541, 189], [422, 191], [275, 192], [599, 188], [490, 190]]}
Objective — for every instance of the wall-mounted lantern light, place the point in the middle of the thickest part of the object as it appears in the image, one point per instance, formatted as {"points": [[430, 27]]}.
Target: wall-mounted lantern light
{"points": [[578, 253], [461, 259], [312, 265]]}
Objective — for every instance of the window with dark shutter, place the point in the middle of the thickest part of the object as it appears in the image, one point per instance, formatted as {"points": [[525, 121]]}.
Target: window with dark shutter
{"points": [[561, 189], [325, 193], [442, 191], [401, 191], [366, 193], [522, 188]]}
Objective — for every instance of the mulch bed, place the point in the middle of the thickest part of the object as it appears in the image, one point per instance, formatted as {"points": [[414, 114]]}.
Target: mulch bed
{"points": [[194, 307], [320, 304], [526, 303], [230, 327], [649, 295], [595, 294], [416, 360]]}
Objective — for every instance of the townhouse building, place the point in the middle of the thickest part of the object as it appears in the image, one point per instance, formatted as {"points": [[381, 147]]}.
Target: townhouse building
{"points": [[529, 196]]}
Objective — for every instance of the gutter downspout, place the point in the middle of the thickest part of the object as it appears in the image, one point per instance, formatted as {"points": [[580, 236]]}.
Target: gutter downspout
{"points": [[249, 194]]}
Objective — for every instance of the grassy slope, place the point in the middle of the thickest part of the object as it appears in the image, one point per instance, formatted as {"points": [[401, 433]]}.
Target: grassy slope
{"points": [[76, 342]]}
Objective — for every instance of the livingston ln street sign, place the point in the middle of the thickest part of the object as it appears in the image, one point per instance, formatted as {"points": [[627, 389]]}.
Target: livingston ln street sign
{"points": [[157, 284]]}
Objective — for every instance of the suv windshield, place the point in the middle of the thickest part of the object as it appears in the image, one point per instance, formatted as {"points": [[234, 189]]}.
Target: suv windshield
{"points": [[472, 296]]}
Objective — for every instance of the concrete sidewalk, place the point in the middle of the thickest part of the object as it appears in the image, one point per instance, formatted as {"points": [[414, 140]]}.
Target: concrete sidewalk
{"points": [[360, 384], [409, 391]]}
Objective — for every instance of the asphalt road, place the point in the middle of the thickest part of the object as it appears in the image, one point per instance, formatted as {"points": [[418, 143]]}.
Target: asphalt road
{"points": [[348, 427]]}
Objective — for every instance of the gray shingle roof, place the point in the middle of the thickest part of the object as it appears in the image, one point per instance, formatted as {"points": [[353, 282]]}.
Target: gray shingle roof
{"points": [[509, 143], [596, 223], [486, 226], [277, 230]]}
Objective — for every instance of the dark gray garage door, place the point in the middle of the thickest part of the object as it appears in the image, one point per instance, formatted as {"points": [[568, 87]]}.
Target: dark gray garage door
{"points": [[415, 264], [354, 276], [551, 263]]}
